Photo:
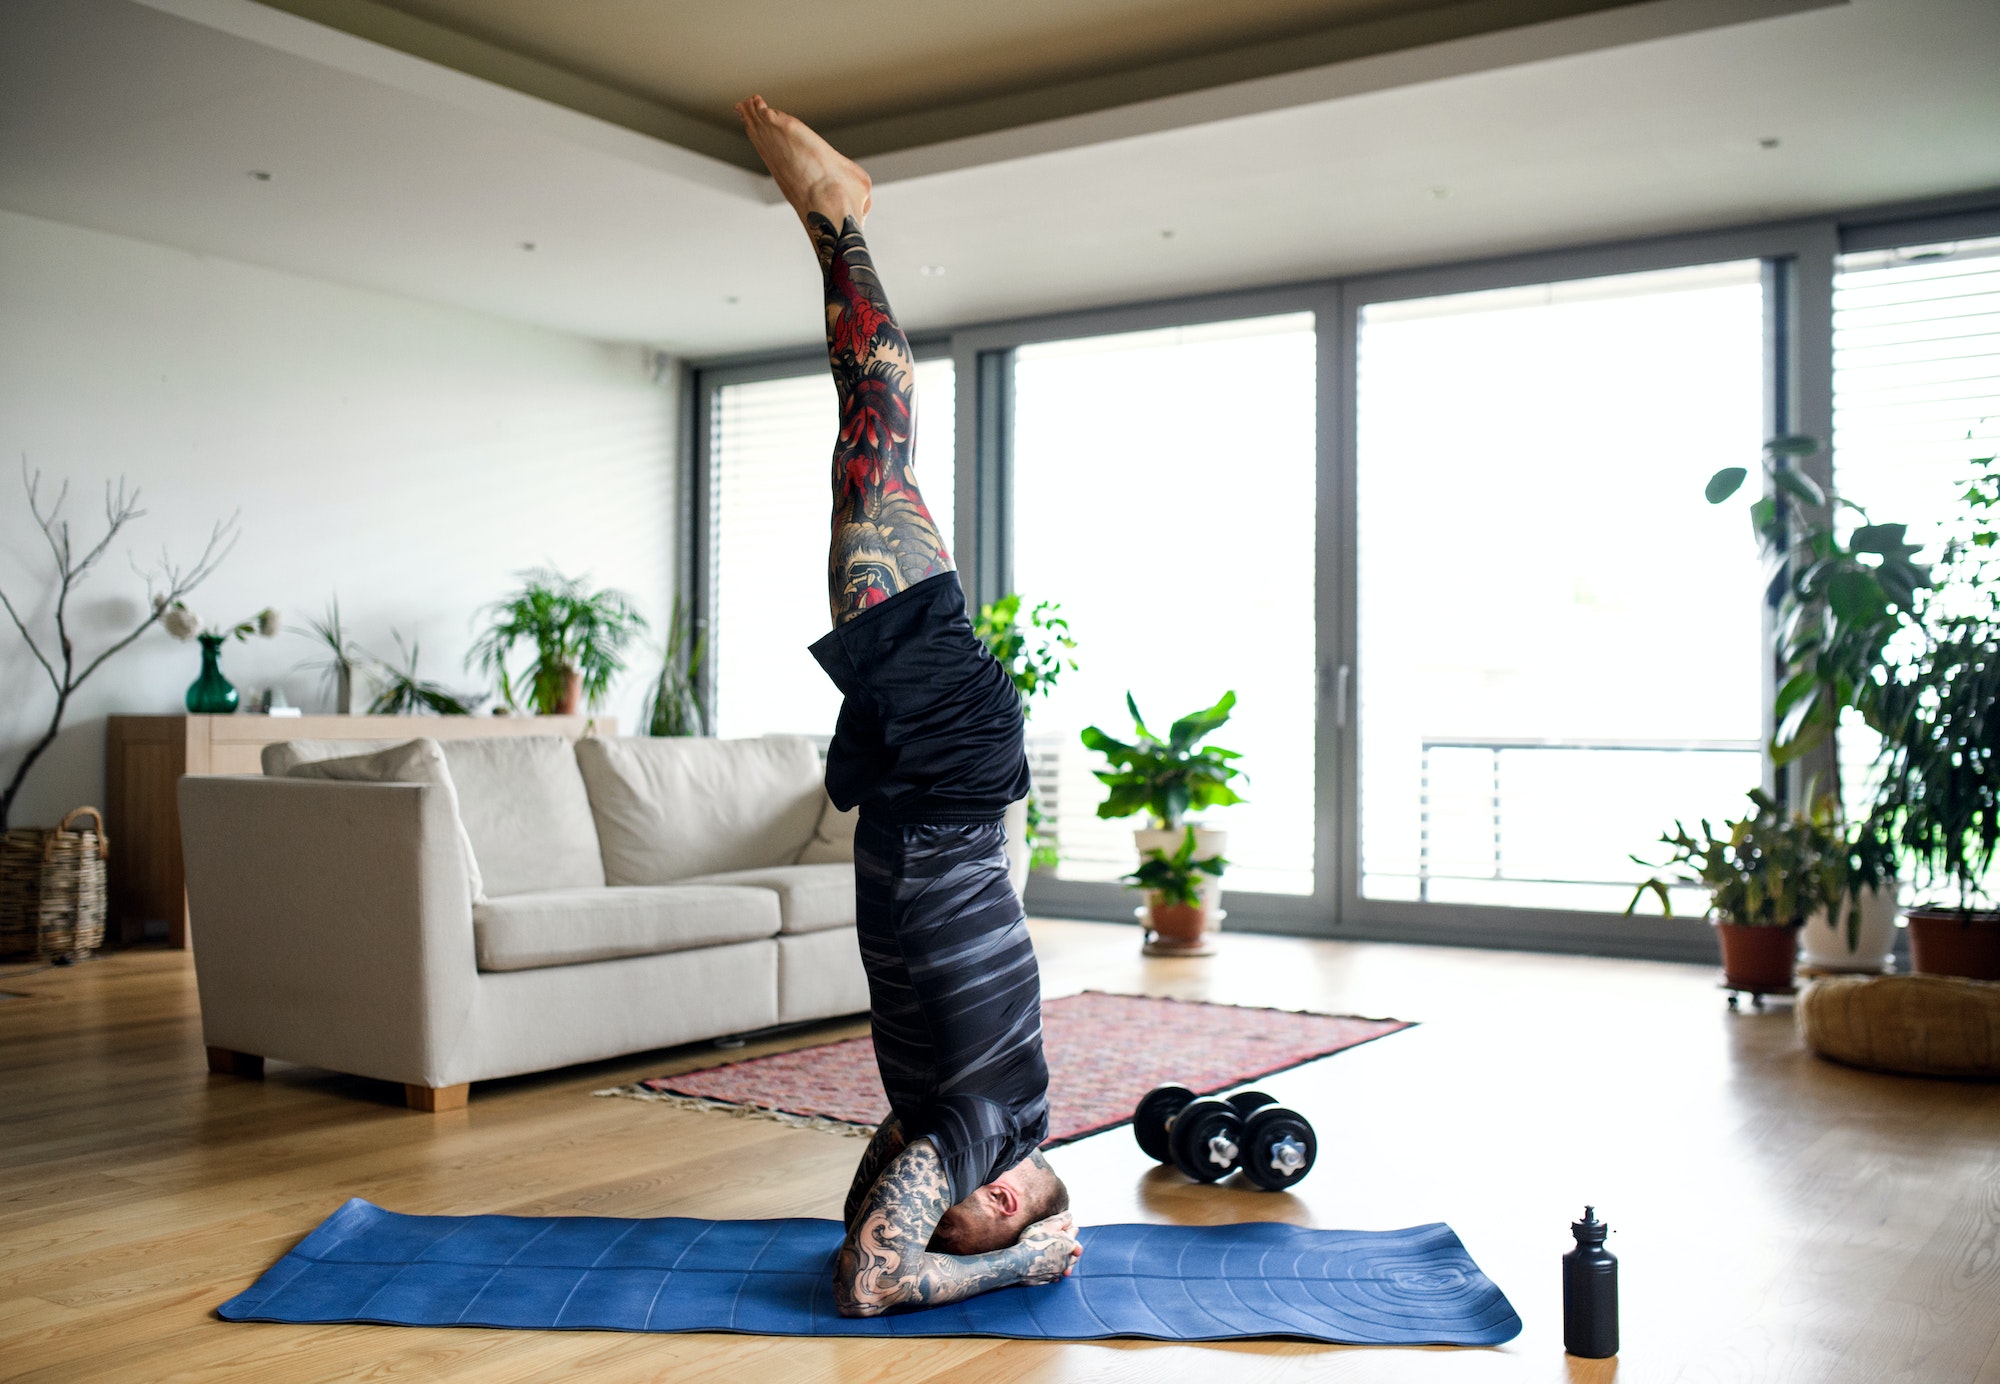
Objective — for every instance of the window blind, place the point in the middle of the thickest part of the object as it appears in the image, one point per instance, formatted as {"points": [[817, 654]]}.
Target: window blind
{"points": [[1916, 395], [770, 450]]}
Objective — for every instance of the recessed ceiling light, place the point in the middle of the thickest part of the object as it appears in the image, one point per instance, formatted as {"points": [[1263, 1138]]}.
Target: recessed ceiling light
{"points": [[732, 300], [260, 175], [1440, 193], [932, 271], [528, 245], [1768, 142], [1166, 235]]}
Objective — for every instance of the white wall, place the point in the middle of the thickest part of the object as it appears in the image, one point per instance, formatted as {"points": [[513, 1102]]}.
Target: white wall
{"points": [[409, 457]]}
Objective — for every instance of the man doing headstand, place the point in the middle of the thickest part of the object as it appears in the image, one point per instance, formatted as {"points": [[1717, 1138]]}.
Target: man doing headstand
{"points": [[951, 1197]]}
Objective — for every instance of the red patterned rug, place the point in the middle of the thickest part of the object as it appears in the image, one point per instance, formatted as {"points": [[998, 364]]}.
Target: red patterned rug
{"points": [[1104, 1052]]}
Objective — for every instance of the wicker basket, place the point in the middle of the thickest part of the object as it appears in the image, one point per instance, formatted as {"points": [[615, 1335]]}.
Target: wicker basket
{"points": [[52, 889]]}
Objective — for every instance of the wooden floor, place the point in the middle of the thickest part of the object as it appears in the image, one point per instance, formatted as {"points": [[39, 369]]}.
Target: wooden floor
{"points": [[1778, 1218]]}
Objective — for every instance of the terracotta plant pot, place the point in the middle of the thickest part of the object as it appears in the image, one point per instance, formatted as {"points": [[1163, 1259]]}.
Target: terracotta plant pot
{"points": [[1946, 942], [571, 700], [1208, 842], [1757, 959], [1178, 924]]}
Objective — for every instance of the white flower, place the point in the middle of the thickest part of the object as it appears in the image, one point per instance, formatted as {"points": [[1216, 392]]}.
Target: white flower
{"points": [[268, 623], [180, 622]]}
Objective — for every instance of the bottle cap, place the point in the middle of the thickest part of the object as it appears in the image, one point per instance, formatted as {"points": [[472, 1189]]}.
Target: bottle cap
{"points": [[1589, 1230]]}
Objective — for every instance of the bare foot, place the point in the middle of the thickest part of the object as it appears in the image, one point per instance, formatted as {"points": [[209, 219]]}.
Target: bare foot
{"points": [[813, 175]]}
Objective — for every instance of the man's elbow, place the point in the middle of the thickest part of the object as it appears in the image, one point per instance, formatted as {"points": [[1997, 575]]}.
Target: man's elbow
{"points": [[854, 1307]]}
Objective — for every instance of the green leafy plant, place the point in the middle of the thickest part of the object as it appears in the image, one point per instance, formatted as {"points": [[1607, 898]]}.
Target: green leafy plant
{"points": [[1166, 779], [404, 693], [1840, 601], [573, 631], [1769, 869], [1176, 878], [674, 705], [1034, 653], [1938, 716]]}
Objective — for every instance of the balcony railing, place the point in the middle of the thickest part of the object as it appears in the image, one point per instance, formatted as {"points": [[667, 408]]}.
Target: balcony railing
{"points": [[1498, 748]]}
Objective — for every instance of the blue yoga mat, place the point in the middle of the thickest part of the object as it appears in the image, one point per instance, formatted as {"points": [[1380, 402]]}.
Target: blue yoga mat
{"points": [[1163, 1282]]}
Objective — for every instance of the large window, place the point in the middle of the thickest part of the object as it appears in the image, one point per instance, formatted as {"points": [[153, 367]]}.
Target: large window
{"points": [[1164, 494], [1558, 638], [1916, 395], [770, 452]]}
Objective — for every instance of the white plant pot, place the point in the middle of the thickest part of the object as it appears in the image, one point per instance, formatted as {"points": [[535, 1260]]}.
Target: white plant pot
{"points": [[1823, 940], [1016, 822], [1207, 843]]}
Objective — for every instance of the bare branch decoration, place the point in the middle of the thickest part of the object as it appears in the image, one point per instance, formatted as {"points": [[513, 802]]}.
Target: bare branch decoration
{"points": [[167, 584]]}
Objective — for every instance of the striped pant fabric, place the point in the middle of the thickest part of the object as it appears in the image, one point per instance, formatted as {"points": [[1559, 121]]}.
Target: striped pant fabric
{"points": [[954, 993]]}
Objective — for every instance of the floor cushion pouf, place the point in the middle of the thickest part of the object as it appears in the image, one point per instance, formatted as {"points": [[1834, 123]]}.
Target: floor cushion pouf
{"points": [[1925, 1025]]}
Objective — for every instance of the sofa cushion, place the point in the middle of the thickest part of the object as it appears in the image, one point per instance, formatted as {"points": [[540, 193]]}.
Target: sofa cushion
{"points": [[672, 808], [562, 927], [414, 761], [526, 813], [833, 839], [811, 898], [280, 759]]}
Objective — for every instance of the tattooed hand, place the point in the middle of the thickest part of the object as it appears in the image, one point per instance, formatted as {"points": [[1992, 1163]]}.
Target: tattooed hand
{"points": [[884, 1263], [1051, 1249]]}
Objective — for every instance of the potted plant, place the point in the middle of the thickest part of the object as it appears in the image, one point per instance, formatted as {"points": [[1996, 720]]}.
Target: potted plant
{"points": [[578, 635], [1178, 918], [1857, 929], [673, 707], [1939, 717], [1168, 778], [1765, 876], [1841, 593], [1034, 651], [344, 659], [404, 693]]}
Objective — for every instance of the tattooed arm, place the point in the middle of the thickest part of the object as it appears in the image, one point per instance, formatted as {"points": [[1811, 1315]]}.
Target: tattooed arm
{"points": [[884, 1262], [887, 1143], [884, 538]]}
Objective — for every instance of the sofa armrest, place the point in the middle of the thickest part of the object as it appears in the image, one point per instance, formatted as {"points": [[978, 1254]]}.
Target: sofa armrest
{"points": [[332, 923]]}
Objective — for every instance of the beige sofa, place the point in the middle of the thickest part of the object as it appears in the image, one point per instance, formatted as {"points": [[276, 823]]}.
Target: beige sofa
{"points": [[511, 905]]}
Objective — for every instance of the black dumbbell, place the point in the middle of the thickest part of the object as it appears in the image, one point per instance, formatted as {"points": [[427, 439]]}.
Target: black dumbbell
{"points": [[1278, 1145], [1207, 1138], [1154, 1119], [1200, 1135]]}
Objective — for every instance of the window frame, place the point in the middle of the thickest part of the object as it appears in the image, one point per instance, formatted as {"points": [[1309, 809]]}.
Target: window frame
{"points": [[1798, 255]]}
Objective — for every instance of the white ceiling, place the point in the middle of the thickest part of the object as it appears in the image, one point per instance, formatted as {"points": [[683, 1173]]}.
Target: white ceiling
{"points": [[118, 116]]}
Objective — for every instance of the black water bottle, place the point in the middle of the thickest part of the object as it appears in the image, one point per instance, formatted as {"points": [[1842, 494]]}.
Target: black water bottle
{"points": [[1590, 1291]]}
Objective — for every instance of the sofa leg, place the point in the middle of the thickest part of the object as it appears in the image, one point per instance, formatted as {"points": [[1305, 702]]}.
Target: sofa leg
{"points": [[433, 1099], [229, 1062]]}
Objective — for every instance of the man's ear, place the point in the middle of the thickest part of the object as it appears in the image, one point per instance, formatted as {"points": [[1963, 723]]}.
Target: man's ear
{"points": [[1006, 1197]]}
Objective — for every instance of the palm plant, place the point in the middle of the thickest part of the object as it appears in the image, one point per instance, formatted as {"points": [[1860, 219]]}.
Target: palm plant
{"points": [[1166, 779], [578, 636], [674, 707]]}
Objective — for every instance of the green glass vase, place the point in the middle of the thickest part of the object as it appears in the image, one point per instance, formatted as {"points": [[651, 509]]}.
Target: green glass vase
{"points": [[211, 694]]}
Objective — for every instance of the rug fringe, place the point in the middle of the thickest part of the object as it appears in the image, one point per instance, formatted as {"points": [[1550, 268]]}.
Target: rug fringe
{"points": [[824, 1123]]}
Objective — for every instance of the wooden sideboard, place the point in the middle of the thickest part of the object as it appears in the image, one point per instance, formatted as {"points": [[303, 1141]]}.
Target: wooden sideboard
{"points": [[145, 757]]}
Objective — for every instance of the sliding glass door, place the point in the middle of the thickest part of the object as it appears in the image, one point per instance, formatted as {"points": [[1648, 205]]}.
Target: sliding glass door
{"points": [[1558, 641], [1164, 492]]}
